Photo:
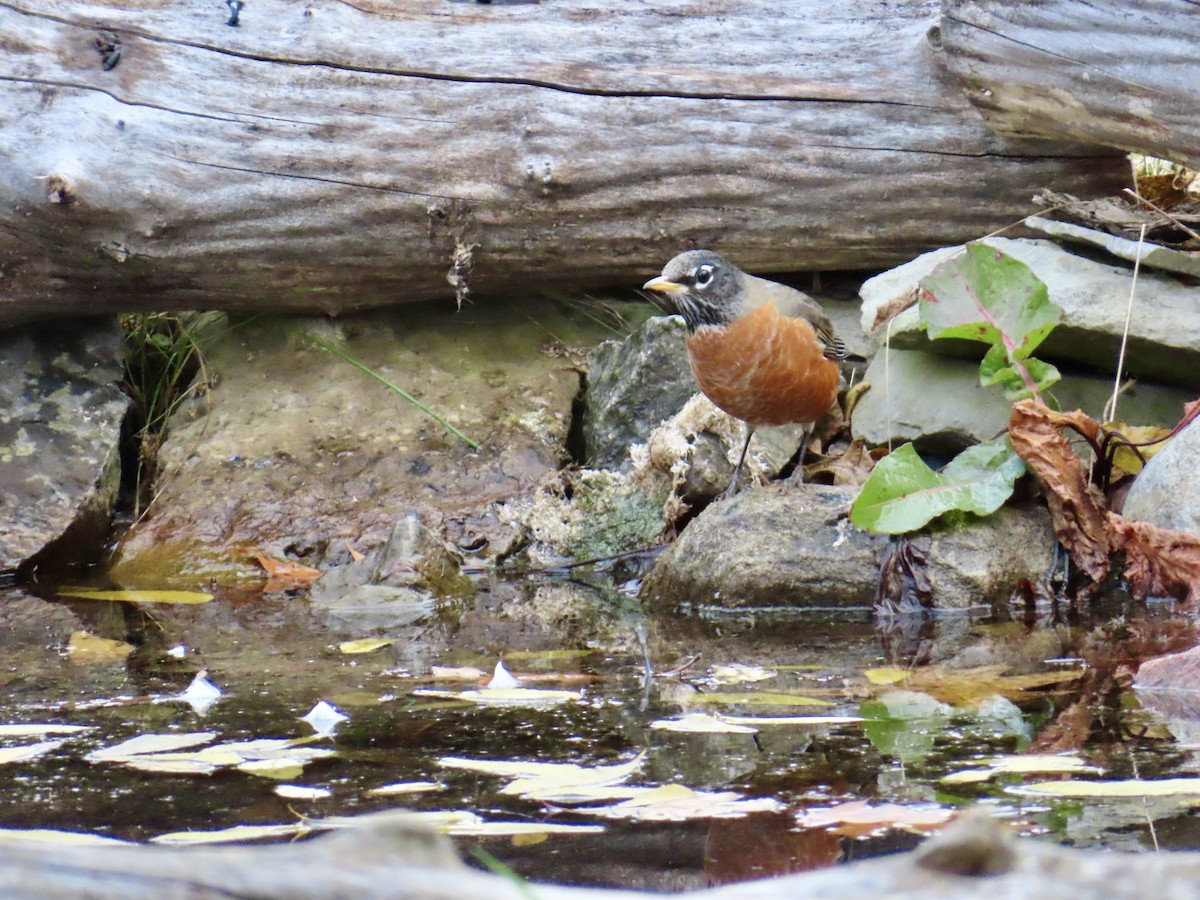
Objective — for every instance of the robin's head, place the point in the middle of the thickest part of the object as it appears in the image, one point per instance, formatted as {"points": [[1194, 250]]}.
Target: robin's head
{"points": [[699, 285]]}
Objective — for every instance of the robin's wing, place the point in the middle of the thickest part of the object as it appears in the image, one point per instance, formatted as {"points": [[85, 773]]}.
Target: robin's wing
{"points": [[791, 302]]}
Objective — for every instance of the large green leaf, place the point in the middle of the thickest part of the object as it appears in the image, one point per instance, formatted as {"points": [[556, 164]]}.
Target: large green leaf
{"points": [[904, 494], [985, 295]]}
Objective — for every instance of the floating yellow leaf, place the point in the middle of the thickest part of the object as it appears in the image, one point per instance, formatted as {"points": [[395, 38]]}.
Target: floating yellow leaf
{"points": [[738, 673], [860, 817], [792, 720], [37, 729], [562, 773], [963, 687], [365, 645], [507, 696], [700, 723], [463, 673], [759, 699], [140, 596], [53, 836], [282, 769], [150, 743], [27, 752], [1034, 765], [1160, 787], [675, 803], [407, 787], [502, 829], [886, 675], [228, 835], [302, 792]]}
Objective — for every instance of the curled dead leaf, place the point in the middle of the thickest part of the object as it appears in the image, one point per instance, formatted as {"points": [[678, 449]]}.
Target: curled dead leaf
{"points": [[1159, 562], [1076, 507]]}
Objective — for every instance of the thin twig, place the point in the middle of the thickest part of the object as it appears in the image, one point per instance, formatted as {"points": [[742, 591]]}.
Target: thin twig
{"points": [[1162, 212], [1110, 409]]}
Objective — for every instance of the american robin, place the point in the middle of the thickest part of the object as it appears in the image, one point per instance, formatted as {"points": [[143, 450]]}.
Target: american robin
{"points": [[763, 352]]}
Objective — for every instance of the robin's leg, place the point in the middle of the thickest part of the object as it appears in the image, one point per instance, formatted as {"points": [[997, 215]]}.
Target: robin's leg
{"points": [[797, 476], [737, 470]]}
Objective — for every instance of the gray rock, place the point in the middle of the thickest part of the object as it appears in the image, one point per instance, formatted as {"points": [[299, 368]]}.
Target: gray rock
{"points": [[937, 402], [981, 562], [1167, 492], [795, 547], [632, 386], [768, 548], [1164, 337], [413, 559], [60, 424]]}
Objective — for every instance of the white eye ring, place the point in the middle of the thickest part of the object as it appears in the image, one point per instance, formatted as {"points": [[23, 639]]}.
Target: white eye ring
{"points": [[704, 275]]}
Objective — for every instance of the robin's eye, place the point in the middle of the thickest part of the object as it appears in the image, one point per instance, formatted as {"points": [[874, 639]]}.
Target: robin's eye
{"points": [[704, 274]]}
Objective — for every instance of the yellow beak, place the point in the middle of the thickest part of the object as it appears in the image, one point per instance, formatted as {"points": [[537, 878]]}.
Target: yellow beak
{"points": [[664, 286]]}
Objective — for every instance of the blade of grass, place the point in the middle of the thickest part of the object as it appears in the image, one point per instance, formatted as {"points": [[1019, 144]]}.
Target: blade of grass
{"points": [[346, 357], [496, 867]]}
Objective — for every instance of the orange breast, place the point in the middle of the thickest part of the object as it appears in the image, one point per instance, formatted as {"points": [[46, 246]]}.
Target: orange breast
{"points": [[765, 369]]}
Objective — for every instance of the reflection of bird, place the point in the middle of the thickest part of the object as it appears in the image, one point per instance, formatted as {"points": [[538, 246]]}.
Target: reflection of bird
{"points": [[763, 352]]}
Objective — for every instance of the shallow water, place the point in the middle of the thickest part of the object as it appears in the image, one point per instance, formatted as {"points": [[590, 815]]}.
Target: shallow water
{"points": [[275, 656]]}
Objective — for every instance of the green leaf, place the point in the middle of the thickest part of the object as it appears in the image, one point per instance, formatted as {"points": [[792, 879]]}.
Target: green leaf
{"points": [[995, 369], [987, 295], [903, 494]]}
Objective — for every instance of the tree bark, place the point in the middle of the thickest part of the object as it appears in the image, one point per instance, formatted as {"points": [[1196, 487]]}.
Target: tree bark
{"points": [[1123, 74], [332, 156], [973, 860]]}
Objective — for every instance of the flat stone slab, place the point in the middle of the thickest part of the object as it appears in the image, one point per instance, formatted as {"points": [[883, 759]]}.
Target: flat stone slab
{"points": [[60, 425], [299, 454], [938, 403], [1164, 336]]}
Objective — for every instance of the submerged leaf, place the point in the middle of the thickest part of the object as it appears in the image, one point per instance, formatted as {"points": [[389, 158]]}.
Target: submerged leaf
{"points": [[365, 645], [88, 649], [140, 596]]}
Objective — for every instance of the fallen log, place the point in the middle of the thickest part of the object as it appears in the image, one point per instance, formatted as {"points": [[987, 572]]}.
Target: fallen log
{"points": [[1122, 74], [332, 156], [975, 858]]}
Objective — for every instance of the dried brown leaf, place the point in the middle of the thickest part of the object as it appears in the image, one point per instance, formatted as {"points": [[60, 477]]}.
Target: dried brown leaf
{"points": [[285, 575], [1159, 562], [1076, 507], [851, 468]]}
